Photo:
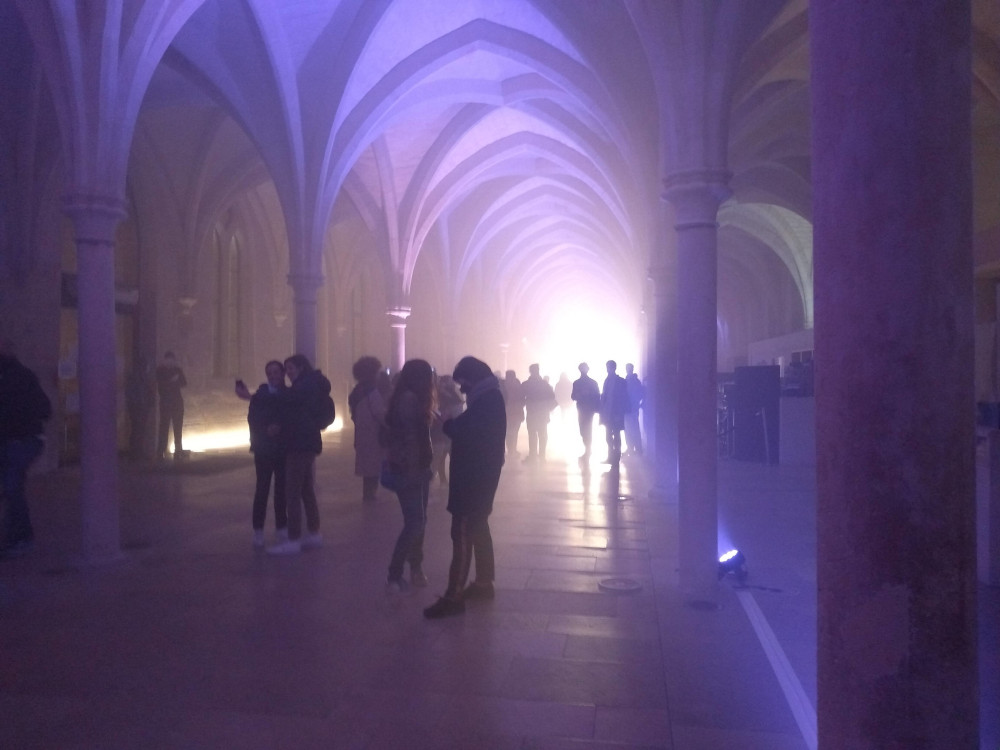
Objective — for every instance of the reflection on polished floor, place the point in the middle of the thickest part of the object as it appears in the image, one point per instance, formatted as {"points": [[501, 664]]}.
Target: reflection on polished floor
{"points": [[196, 640]]}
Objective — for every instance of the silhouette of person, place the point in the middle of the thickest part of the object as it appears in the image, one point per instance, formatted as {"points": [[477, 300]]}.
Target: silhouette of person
{"points": [[614, 404], [264, 419], [513, 396], [409, 455], [636, 394], [478, 435], [539, 401], [169, 382], [587, 395], [302, 435], [24, 408], [367, 406]]}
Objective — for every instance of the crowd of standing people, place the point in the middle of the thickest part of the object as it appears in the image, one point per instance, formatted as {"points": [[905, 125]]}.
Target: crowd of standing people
{"points": [[407, 431]]}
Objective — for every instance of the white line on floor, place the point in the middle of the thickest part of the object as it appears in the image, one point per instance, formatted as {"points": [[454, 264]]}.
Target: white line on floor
{"points": [[798, 701]]}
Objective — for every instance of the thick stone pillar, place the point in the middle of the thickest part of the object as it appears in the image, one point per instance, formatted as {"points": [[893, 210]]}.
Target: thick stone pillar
{"points": [[95, 219], [660, 406], [696, 196], [894, 374], [305, 287], [397, 322]]}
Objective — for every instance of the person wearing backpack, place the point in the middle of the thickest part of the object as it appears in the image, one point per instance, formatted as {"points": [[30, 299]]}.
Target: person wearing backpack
{"points": [[306, 409], [24, 408]]}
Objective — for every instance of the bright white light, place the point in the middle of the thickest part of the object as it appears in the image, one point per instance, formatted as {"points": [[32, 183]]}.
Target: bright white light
{"points": [[729, 555], [199, 442], [215, 440], [585, 331]]}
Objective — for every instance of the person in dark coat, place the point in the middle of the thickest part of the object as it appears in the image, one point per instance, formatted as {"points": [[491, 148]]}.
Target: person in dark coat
{"points": [[477, 456], [264, 418], [587, 395], [301, 435], [513, 397], [169, 382], [24, 408], [614, 404]]}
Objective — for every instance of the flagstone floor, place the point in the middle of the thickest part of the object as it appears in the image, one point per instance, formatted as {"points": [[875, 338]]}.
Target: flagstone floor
{"points": [[196, 640]]}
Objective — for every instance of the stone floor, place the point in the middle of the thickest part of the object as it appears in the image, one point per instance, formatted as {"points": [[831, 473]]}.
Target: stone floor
{"points": [[195, 640]]}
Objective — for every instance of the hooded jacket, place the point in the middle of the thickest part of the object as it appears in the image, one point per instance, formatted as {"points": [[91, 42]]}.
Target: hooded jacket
{"points": [[478, 439], [301, 402]]}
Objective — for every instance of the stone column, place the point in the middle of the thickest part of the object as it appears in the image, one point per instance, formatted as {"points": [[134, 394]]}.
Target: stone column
{"points": [[305, 287], [95, 219], [660, 408], [696, 196], [397, 322], [894, 374]]}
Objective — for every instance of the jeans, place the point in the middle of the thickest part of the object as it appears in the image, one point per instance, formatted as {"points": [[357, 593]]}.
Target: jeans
{"points": [[170, 414], [614, 437], [15, 458], [410, 544], [269, 465], [538, 438], [470, 538], [300, 492]]}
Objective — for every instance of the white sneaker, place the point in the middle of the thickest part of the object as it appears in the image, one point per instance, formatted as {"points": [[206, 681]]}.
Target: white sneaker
{"points": [[258, 537], [417, 578], [395, 588], [312, 541], [289, 547]]}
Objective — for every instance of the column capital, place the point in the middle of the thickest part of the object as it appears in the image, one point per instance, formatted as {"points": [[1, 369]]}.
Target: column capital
{"points": [[696, 195], [305, 284], [397, 316], [95, 217]]}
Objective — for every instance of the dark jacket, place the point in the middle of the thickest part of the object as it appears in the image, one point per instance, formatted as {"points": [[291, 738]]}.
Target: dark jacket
{"points": [[24, 406], [300, 404], [265, 410], [477, 449], [614, 402], [169, 381], [408, 445]]}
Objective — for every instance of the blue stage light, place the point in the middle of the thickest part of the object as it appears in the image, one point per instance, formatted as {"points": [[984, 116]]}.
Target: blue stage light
{"points": [[733, 562]]}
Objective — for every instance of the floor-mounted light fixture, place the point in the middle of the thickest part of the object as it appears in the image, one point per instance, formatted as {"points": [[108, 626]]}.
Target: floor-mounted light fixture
{"points": [[733, 562]]}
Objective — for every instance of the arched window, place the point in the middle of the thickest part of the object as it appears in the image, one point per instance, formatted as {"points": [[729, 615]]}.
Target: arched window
{"points": [[227, 330]]}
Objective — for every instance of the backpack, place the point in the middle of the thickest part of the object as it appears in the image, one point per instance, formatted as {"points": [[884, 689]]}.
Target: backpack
{"points": [[326, 412]]}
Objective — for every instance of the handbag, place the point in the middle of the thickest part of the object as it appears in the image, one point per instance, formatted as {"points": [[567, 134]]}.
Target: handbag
{"points": [[389, 478]]}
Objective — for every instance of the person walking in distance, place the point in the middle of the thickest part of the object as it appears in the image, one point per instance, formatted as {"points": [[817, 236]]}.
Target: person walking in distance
{"points": [[367, 407], [587, 395], [264, 419], [477, 456], [636, 395], [305, 410], [169, 382], [614, 403], [513, 396], [539, 401]]}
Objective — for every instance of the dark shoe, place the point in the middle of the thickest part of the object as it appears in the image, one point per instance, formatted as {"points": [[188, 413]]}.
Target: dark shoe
{"points": [[444, 607], [483, 591]]}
